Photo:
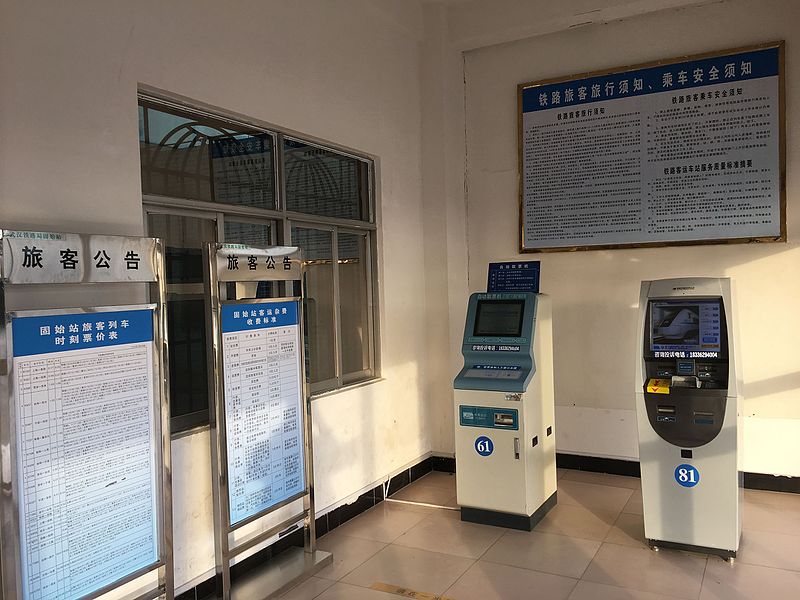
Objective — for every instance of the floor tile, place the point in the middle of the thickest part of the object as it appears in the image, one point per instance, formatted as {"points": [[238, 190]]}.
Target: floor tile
{"points": [[309, 589], [348, 553], [590, 495], [412, 568], [385, 522], [439, 479], [448, 513], [560, 473], [628, 531], [587, 590], [631, 483], [439, 533], [577, 521], [410, 506], [766, 517], [770, 549], [547, 552], [419, 491], [635, 505], [786, 501], [667, 572], [489, 581], [734, 582], [344, 591]]}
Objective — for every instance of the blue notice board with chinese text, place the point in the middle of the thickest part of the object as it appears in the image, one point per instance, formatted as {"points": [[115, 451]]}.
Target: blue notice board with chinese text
{"points": [[681, 151], [264, 405], [516, 276], [87, 448]]}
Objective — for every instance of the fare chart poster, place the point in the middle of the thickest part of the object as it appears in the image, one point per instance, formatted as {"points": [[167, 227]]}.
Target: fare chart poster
{"points": [[88, 464], [680, 152], [264, 405]]}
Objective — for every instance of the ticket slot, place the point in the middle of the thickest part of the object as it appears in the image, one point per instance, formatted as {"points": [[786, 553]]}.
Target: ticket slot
{"points": [[504, 419]]}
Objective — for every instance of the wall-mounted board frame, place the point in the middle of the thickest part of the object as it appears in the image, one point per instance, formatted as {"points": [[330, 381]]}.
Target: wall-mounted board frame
{"points": [[685, 151], [84, 413], [262, 456]]}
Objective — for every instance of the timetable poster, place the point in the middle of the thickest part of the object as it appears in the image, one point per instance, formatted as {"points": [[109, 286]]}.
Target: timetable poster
{"points": [[86, 449], [681, 152], [264, 405]]}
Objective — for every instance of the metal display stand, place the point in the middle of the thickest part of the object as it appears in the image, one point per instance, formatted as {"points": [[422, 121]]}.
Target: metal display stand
{"points": [[248, 483], [67, 530]]}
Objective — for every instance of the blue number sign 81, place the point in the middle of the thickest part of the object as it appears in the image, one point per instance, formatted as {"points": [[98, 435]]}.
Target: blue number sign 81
{"points": [[687, 475]]}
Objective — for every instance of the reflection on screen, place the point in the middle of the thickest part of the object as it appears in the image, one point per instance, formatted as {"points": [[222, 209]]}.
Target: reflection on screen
{"points": [[685, 325], [499, 318]]}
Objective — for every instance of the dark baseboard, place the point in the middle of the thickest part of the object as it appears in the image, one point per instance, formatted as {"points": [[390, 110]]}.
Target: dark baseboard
{"points": [[772, 483], [752, 481], [596, 464], [445, 464]]}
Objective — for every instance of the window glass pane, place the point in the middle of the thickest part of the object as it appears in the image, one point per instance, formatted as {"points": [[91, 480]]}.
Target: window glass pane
{"points": [[183, 238], [324, 183], [250, 234], [193, 156], [354, 303], [320, 341]]}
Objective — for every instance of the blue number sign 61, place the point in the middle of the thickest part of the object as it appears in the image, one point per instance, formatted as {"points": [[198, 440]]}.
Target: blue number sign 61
{"points": [[484, 446]]}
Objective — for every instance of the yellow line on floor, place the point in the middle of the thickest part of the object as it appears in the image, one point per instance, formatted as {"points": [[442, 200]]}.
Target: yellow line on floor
{"points": [[406, 593]]}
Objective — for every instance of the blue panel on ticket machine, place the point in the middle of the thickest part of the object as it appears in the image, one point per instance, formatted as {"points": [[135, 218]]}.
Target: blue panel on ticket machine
{"points": [[505, 437]]}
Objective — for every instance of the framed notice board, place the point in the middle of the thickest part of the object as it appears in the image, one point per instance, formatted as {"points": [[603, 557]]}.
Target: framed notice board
{"points": [[84, 422], [682, 151], [85, 406]]}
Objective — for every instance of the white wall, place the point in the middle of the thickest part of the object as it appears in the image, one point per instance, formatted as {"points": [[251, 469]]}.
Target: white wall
{"points": [[343, 70], [595, 293]]}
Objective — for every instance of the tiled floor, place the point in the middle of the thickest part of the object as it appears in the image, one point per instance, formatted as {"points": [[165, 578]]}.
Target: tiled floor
{"points": [[589, 547]]}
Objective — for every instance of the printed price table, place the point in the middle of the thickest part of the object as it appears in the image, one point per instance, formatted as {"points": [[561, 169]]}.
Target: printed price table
{"points": [[263, 405], [87, 462]]}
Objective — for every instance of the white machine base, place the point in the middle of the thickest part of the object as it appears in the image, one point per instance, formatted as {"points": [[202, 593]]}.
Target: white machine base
{"points": [[509, 520]]}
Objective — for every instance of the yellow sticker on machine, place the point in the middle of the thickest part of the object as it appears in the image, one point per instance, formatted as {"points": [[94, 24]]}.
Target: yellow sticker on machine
{"points": [[658, 386]]}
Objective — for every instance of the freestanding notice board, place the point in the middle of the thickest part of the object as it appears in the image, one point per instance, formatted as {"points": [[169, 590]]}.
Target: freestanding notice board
{"points": [[86, 505], [260, 413]]}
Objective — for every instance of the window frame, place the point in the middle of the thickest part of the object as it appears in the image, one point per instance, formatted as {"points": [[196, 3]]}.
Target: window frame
{"points": [[282, 221]]}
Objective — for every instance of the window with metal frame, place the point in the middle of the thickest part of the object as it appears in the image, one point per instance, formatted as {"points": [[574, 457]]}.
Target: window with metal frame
{"points": [[207, 177]]}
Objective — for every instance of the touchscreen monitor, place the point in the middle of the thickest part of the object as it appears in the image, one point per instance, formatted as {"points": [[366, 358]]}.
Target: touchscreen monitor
{"points": [[691, 327], [499, 318]]}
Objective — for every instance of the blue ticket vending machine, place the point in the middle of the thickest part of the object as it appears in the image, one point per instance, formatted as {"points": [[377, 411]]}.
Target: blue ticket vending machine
{"points": [[505, 438]]}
